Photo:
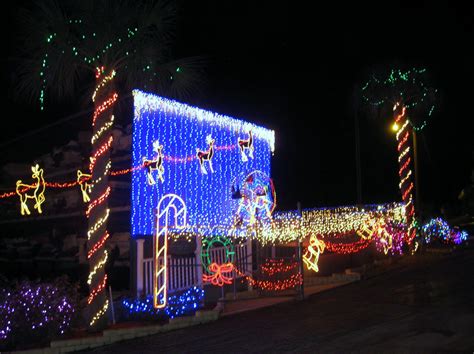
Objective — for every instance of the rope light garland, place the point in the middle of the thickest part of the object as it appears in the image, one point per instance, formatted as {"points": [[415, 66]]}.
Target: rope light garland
{"points": [[98, 201], [95, 291], [99, 168], [98, 245], [100, 313], [406, 185], [98, 266]]}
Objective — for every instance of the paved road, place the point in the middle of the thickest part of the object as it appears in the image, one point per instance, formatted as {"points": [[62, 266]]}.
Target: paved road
{"points": [[426, 305]]}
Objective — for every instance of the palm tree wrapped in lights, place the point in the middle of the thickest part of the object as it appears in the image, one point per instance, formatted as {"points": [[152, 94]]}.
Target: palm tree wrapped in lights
{"points": [[409, 96], [123, 45]]}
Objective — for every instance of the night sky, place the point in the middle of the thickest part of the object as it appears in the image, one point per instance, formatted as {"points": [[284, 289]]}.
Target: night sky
{"points": [[295, 70]]}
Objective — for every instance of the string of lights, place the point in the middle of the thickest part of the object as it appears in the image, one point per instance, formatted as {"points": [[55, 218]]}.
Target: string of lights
{"points": [[97, 210], [403, 86], [178, 305], [404, 159]]}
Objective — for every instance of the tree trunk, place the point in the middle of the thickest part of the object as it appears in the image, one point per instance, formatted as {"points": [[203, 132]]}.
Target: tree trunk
{"points": [[406, 175], [97, 211]]}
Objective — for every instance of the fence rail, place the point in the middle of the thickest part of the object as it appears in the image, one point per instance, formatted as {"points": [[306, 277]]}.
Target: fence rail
{"points": [[183, 271]]}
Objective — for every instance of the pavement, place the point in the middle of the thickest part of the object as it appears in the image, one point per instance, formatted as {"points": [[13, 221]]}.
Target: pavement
{"points": [[233, 307], [423, 305]]}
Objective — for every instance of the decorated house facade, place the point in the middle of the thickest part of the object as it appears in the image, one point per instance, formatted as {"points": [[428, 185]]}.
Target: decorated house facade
{"points": [[203, 178]]}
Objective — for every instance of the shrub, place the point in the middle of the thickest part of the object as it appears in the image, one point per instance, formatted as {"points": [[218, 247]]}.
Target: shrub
{"points": [[34, 313]]}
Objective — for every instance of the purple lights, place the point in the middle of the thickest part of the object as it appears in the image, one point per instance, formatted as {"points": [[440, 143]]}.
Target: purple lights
{"points": [[35, 308]]}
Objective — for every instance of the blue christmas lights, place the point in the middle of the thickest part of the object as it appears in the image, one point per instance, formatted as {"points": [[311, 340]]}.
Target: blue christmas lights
{"points": [[178, 305], [203, 178], [439, 229]]}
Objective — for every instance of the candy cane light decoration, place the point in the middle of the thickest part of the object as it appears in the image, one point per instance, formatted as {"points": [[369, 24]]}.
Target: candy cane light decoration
{"points": [[170, 206]]}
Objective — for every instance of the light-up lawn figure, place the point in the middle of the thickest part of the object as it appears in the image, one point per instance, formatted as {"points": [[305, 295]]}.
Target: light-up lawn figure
{"points": [[171, 213]]}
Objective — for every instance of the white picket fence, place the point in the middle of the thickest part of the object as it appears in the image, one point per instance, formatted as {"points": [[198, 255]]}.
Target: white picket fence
{"points": [[183, 271]]}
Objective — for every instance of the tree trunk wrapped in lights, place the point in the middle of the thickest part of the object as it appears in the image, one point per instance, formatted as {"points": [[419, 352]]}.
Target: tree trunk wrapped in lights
{"points": [[403, 135], [97, 211]]}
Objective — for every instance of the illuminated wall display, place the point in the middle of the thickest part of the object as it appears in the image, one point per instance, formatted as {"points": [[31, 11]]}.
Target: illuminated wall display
{"points": [[201, 158]]}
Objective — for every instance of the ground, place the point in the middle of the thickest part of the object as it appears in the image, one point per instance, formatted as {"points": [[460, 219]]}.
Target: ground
{"points": [[424, 305]]}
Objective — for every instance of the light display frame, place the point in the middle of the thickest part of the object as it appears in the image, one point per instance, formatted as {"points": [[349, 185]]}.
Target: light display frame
{"points": [[182, 130]]}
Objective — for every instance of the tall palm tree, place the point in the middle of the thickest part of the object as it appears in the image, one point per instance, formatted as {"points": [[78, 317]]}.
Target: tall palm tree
{"points": [[412, 101], [104, 48]]}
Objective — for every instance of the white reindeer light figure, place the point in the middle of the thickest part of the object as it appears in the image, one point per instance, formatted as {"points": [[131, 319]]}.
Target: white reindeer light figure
{"points": [[155, 165], [206, 155], [246, 145]]}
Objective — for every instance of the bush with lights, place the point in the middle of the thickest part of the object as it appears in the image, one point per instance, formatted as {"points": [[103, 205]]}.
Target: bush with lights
{"points": [[34, 313], [185, 303]]}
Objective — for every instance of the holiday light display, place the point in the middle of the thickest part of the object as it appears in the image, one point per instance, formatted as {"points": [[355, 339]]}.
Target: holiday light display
{"points": [[390, 238], [407, 90], [403, 86], [215, 273], [30, 307], [155, 164], [93, 229], [257, 198], [178, 305], [438, 228], [182, 129], [38, 191], [311, 256], [206, 155], [97, 210], [170, 205], [406, 185], [246, 145], [276, 266], [82, 180], [273, 271], [98, 245], [347, 248], [99, 313], [218, 275]]}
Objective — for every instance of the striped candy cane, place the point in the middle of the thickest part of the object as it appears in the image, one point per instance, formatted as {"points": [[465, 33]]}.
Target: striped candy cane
{"points": [[169, 205]]}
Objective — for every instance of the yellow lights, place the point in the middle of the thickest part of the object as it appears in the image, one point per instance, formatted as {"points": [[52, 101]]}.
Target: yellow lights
{"points": [[395, 127], [100, 313], [169, 205], [402, 128], [102, 129], [98, 224], [82, 180], [99, 265], [311, 256], [37, 194], [102, 84]]}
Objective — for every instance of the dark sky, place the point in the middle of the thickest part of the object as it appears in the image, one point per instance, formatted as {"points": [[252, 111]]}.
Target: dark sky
{"points": [[295, 69]]}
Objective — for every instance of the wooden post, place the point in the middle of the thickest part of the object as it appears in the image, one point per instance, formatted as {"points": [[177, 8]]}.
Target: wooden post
{"points": [[248, 261], [300, 256], [139, 266], [197, 255]]}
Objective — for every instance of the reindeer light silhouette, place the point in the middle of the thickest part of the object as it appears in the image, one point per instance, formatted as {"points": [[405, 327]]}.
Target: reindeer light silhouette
{"points": [[155, 165], [38, 191], [83, 181], [246, 144], [206, 155]]}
